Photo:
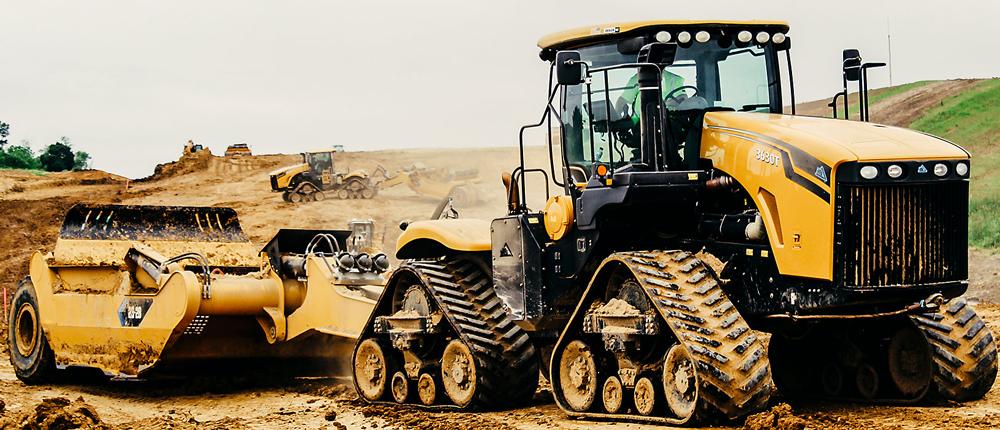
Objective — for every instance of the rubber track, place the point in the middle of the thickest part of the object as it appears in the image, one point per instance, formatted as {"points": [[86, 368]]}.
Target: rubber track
{"points": [[732, 362], [965, 353], [507, 362]]}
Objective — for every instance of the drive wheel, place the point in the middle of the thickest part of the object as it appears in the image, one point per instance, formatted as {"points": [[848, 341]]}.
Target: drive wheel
{"points": [[458, 373], [295, 197], [426, 389], [680, 382], [910, 363], [578, 375], [284, 196], [370, 370], [30, 354], [318, 196]]}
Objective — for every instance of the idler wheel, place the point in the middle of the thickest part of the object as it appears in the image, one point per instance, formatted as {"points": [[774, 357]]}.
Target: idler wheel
{"points": [[458, 373], [680, 382], [370, 370], [613, 395], [578, 375]]}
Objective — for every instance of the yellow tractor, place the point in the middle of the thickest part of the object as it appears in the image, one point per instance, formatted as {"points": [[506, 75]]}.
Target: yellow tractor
{"points": [[316, 176], [845, 240], [133, 289]]}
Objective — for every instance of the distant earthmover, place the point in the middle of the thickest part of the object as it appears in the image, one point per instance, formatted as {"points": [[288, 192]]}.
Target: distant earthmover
{"points": [[133, 289], [847, 241], [316, 178]]}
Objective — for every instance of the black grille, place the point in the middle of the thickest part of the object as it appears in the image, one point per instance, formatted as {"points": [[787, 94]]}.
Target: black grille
{"points": [[901, 234], [274, 182]]}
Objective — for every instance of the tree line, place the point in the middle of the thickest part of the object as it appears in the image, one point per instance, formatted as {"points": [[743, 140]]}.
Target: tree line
{"points": [[56, 157]]}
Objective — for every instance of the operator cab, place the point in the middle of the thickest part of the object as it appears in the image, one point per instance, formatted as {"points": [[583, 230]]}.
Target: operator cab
{"points": [[640, 93]]}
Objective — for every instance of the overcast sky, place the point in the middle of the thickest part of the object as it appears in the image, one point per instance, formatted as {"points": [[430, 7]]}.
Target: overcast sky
{"points": [[131, 81]]}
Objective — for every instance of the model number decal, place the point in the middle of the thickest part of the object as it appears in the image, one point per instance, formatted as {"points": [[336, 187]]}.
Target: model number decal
{"points": [[766, 156]]}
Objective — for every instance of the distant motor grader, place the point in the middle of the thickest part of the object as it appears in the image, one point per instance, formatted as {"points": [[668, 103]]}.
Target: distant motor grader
{"points": [[847, 241], [130, 290]]}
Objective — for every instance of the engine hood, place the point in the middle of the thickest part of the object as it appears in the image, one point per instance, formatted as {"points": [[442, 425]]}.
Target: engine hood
{"points": [[290, 169], [835, 141]]}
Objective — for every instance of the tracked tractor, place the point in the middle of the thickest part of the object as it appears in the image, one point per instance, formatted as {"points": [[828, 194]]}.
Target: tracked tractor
{"points": [[692, 215], [316, 177], [134, 291]]}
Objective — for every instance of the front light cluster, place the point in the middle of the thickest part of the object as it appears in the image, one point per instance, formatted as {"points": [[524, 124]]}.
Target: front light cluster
{"points": [[896, 171]]}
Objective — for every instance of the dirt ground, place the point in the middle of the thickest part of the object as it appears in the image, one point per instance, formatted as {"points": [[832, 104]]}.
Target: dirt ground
{"points": [[32, 207]]}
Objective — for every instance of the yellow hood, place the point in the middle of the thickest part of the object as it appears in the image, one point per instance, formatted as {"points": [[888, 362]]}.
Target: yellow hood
{"points": [[834, 141]]}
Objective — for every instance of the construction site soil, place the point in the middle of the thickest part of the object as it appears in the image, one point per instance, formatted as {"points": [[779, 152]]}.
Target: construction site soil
{"points": [[32, 206]]}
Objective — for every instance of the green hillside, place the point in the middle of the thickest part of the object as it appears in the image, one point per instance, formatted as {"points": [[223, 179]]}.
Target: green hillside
{"points": [[972, 119]]}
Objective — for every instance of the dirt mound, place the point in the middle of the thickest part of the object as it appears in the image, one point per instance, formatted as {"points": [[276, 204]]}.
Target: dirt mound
{"points": [[174, 420], [779, 417], [406, 417], [56, 413], [188, 163]]}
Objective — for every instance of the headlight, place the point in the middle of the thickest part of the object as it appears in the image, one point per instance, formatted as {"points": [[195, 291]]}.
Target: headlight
{"points": [[683, 37], [940, 169], [778, 38], [894, 171], [962, 169], [663, 36], [763, 37], [869, 172], [702, 36], [744, 36]]}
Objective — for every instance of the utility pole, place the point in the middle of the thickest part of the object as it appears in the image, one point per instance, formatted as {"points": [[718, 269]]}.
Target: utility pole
{"points": [[888, 37]]}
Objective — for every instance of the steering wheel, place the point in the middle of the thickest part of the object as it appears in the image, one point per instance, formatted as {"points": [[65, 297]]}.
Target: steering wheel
{"points": [[671, 95]]}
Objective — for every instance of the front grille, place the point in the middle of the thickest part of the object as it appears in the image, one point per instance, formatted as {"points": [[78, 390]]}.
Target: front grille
{"points": [[901, 234], [274, 182]]}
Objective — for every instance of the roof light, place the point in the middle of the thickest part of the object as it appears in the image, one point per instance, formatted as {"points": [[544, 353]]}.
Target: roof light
{"points": [[867, 172], [744, 36], [940, 169], [894, 171], [778, 38], [683, 37], [702, 36], [763, 37], [962, 169], [663, 36]]}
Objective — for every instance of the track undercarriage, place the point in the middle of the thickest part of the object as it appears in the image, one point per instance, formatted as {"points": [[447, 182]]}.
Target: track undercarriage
{"points": [[440, 338]]}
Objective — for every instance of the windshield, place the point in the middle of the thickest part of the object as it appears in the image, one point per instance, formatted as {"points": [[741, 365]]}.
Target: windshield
{"points": [[701, 76]]}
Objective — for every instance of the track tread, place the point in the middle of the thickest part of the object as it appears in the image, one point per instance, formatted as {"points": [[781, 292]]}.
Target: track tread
{"points": [[506, 359], [964, 351], [735, 375]]}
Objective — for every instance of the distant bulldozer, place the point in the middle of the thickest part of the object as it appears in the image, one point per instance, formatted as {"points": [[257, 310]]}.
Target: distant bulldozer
{"points": [[131, 288]]}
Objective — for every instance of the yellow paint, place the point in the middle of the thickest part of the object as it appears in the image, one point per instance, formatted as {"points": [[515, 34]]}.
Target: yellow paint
{"points": [[729, 139], [285, 174], [581, 34], [558, 214], [462, 234]]}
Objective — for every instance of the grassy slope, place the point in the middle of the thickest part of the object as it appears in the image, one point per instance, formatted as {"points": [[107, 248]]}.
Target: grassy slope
{"points": [[972, 120]]}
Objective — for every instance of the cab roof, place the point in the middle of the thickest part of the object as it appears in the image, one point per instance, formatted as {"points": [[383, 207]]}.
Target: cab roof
{"points": [[583, 35]]}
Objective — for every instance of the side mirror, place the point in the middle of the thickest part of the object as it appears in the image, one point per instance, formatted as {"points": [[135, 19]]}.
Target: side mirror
{"points": [[852, 65], [569, 68], [658, 53]]}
